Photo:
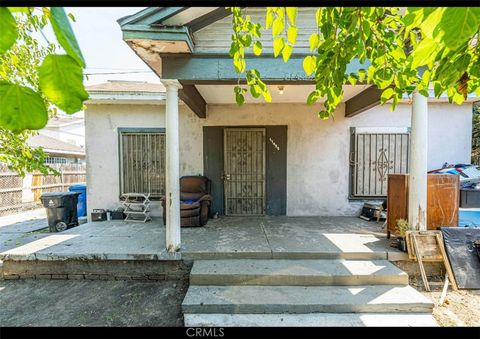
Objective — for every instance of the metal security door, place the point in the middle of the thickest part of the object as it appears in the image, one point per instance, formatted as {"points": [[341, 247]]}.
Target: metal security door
{"points": [[244, 171]]}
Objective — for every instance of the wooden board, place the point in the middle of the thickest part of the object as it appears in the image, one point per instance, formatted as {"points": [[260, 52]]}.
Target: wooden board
{"points": [[443, 200], [397, 200], [430, 248], [427, 241]]}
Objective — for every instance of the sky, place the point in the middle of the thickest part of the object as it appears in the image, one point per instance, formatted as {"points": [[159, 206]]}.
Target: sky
{"points": [[100, 40]]}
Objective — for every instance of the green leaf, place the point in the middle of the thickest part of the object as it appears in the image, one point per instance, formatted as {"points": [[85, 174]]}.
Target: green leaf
{"points": [[21, 108], [318, 17], [72, 17], [414, 16], [352, 79], [278, 45], [255, 91], [313, 97], [426, 77], [458, 98], [437, 89], [278, 27], [370, 72], [233, 49], [257, 48], [292, 14], [314, 41], [20, 9], [324, 115], [61, 80], [292, 34], [309, 64], [266, 95], [240, 99], [452, 26], [424, 53], [399, 54], [269, 19], [64, 33], [361, 74], [424, 92], [287, 52], [8, 29], [386, 95], [396, 99], [246, 40]]}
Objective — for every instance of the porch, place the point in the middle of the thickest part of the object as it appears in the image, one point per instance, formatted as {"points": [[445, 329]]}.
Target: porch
{"points": [[278, 237]]}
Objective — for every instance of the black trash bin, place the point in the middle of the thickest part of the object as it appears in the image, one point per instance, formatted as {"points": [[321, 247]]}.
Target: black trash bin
{"points": [[61, 210]]}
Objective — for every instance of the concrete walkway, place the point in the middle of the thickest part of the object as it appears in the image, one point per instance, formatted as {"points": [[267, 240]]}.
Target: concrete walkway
{"points": [[232, 237], [22, 228]]}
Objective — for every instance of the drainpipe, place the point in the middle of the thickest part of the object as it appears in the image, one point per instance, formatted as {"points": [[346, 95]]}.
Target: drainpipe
{"points": [[172, 167], [417, 185]]}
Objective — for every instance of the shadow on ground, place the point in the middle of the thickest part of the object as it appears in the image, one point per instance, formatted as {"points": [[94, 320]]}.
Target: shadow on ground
{"points": [[91, 303]]}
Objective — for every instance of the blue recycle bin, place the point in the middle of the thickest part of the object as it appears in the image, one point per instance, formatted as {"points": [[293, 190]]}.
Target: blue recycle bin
{"points": [[82, 198]]}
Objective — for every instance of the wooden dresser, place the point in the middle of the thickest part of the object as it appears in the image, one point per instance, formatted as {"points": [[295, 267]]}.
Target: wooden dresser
{"points": [[443, 200]]}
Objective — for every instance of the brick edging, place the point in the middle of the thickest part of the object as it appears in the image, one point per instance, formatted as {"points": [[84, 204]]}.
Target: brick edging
{"points": [[139, 270]]}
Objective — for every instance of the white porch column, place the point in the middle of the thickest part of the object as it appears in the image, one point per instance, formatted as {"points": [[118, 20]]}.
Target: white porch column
{"points": [[172, 168], [417, 185]]}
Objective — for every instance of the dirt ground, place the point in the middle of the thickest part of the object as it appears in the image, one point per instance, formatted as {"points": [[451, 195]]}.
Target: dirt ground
{"points": [[91, 303], [461, 308]]}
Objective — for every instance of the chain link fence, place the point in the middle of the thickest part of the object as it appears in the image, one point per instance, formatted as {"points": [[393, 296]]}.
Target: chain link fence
{"points": [[20, 194]]}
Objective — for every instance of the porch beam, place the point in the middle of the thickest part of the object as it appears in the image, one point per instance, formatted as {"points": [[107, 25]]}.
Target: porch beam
{"points": [[172, 168], [363, 101], [195, 68], [208, 19], [417, 185], [193, 99]]}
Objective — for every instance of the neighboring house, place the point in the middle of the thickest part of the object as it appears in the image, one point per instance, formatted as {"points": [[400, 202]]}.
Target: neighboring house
{"points": [[59, 152], [263, 159], [63, 139], [66, 128]]}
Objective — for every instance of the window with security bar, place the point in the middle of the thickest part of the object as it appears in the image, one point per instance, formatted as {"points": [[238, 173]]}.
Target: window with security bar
{"points": [[375, 153], [142, 161]]}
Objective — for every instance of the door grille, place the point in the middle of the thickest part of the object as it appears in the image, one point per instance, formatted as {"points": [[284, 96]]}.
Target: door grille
{"points": [[244, 171]]}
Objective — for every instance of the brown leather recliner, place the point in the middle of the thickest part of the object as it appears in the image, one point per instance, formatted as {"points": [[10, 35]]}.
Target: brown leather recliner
{"points": [[195, 201]]}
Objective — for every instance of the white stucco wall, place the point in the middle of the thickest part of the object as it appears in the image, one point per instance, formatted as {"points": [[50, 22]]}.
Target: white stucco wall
{"points": [[317, 154]]}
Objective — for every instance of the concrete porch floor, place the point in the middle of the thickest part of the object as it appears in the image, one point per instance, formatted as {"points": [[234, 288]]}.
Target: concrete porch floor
{"points": [[226, 237]]}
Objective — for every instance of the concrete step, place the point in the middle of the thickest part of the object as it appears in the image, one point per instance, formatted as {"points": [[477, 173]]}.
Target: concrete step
{"points": [[296, 272], [305, 299], [310, 319]]}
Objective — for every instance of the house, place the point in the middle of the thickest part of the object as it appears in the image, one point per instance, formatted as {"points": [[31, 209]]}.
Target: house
{"points": [[63, 139], [263, 159], [66, 128], [58, 151]]}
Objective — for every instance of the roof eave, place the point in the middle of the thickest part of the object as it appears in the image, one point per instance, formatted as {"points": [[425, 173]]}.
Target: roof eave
{"points": [[59, 151], [125, 97], [159, 33]]}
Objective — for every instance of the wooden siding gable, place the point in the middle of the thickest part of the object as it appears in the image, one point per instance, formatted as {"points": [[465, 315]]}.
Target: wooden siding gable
{"points": [[216, 37]]}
